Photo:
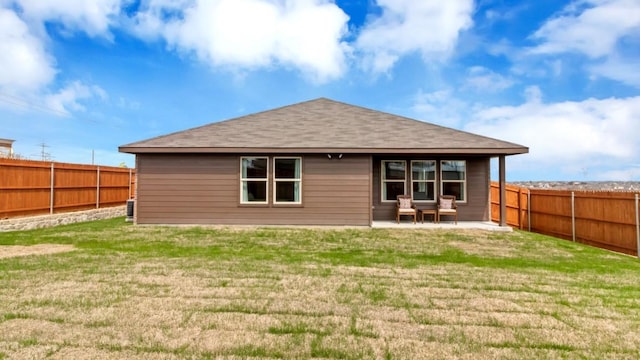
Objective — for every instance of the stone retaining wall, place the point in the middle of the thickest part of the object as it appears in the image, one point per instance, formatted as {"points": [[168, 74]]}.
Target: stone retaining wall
{"points": [[41, 221]]}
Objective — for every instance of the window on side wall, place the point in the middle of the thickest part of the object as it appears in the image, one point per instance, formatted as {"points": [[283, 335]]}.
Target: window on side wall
{"points": [[287, 178], [453, 175], [253, 180], [393, 179], [423, 180]]}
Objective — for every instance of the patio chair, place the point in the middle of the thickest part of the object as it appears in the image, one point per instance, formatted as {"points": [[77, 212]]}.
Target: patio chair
{"points": [[447, 207], [405, 206]]}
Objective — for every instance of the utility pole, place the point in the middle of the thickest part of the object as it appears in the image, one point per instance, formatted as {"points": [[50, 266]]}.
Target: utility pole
{"points": [[44, 155]]}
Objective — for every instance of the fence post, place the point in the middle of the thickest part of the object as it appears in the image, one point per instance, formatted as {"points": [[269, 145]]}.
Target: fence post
{"points": [[52, 190], [529, 209], [129, 194], [520, 208], [98, 189], [573, 215], [637, 227]]}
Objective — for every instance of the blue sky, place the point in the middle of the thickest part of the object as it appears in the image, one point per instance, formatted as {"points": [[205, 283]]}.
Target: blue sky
{"points": [[561, 77]]}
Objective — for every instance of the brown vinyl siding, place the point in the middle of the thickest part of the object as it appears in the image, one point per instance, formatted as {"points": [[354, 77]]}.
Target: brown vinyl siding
{"points": [[478, 191], [476, 207], [205, 189]]}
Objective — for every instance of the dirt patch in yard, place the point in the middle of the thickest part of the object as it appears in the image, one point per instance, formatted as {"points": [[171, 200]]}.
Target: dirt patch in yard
{"points": [[8, 251]]}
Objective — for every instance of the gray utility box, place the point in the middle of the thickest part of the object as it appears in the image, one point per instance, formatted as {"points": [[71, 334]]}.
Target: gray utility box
{"points": [[131, 203]]}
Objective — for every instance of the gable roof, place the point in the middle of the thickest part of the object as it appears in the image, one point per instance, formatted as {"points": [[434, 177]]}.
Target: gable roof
{"points": [[321, 126]]}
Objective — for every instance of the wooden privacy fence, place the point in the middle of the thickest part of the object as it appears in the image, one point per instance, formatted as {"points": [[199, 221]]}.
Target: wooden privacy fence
{"points": [[606, 219], [37, 187]]}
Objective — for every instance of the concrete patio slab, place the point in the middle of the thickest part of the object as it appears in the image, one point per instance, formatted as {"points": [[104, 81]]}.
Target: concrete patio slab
{"points": [[478, 225]]}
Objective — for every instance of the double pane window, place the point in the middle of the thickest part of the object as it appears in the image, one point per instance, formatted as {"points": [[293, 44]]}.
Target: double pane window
{"points": [[454, 178], [287, 178], [423, 180], [254, 176], [394, 177]]}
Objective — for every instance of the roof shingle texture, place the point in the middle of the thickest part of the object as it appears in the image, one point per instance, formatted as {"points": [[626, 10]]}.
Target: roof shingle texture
{"points": [[323, 124]]}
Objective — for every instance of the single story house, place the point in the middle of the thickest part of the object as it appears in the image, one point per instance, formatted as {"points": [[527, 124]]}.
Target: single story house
{"points": [[319, 162]]}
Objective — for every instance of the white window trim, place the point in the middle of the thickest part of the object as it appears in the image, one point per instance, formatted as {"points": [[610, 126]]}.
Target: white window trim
{"points": [[464, 182], [275, 180], [434, 181], [383, 181], [266, 181]]}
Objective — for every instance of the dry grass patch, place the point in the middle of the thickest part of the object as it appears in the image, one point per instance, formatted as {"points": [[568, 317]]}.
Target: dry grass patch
{"points": [[178, 292], [8, 251]]}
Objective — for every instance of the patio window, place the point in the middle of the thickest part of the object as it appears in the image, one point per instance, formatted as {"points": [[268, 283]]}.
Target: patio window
{"points": [[253, 180], [453, 175], [393, 179], [423, 180], [287, 178]]}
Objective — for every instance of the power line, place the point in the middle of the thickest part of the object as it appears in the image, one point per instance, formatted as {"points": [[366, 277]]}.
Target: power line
{"points": [[29, 105]]}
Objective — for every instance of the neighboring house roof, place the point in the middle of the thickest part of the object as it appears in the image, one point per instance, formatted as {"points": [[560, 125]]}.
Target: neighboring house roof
{"points": [[323, 126], [6, 142]]}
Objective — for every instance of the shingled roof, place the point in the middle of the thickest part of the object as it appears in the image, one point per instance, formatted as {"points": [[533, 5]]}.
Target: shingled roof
{"points": [[321, 126]]}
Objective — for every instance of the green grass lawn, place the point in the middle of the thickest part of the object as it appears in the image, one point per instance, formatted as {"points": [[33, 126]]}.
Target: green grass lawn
{"points": [[190, 292]]}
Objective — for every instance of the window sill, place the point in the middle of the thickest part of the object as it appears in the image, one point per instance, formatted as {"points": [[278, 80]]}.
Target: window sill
{"points": [[290, 205], [256, 205]]}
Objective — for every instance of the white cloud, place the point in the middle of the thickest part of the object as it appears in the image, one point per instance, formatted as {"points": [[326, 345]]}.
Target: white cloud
{"points": [[440, 107], [592, 139], [621, 69], [601, 30], [149, 22], [430, 27], [630, 173], [570, 137], [504, 13], [27, 70], [590, 27], [24, 63], [124, 103], [245, 34], [533, 94], [93, 17], [482, 79], [67, 98]]}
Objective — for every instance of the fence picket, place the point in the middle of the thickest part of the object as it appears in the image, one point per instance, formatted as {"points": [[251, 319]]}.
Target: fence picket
{"points": [[598, 218], [35, 187]]}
